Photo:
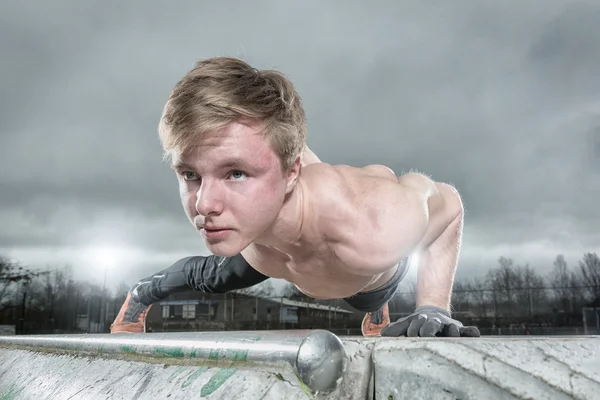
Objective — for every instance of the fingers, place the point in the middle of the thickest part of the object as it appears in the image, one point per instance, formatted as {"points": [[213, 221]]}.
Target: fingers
{"points": [[469, 331], [397, 328], [454, 330], [451, 330], [416, 325], [430, 328], [422, 326]]}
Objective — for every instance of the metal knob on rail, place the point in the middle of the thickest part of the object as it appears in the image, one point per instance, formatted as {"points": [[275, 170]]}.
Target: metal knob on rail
{"points": [[318, 356]]}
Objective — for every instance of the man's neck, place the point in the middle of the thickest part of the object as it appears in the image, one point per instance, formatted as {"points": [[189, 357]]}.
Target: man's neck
{"points": [[285, 234]]}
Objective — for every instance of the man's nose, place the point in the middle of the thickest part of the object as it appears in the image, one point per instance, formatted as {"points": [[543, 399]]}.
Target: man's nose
{"points": [[209, 199]]}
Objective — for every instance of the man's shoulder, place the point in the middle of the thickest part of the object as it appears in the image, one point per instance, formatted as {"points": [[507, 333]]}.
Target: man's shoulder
{"points": [[329, 188], [352, 207], [345, 176], [342, 185]]}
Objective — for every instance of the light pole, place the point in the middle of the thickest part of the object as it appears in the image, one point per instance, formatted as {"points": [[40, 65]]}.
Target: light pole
{"points": [[103, 313], [104, 257]]}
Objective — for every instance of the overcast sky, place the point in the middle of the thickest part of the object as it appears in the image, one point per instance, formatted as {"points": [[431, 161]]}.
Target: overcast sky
{"points": [[500, 99]]}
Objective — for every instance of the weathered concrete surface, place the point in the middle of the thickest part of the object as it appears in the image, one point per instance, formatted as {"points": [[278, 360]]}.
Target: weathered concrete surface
{"points": [[215, 365], [178, 366], [34, 375], [488, 368]]}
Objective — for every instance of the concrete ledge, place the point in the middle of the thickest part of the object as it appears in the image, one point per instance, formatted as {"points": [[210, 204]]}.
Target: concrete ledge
{"points": [[296, 365], [310, 361], [488, 368]]}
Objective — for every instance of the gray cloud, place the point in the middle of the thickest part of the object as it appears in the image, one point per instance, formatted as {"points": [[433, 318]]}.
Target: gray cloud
{"points": [[503, 101]]}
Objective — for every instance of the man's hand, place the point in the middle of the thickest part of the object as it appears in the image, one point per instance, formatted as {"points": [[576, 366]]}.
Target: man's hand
{"points": [[131, 317], [428, 321]]}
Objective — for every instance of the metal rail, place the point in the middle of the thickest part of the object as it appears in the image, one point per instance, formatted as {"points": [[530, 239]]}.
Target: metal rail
{"points": [[318, 356]]}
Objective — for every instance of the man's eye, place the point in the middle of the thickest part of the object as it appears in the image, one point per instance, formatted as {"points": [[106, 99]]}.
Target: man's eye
{"points": [[238, 175], [189, 176]]}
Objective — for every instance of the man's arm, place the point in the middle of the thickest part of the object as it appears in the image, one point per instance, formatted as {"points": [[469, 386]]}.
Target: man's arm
{"points": [[211, 274], [437, 253], [438, 249]]}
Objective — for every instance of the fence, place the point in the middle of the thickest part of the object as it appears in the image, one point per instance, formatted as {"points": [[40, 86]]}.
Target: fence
{"points": [[495, 312]]}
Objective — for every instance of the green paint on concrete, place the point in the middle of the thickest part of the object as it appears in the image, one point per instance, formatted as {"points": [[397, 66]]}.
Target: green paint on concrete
{"points": [[10, 395], [217, 381], [177, 371], [128, 349], [229, 354], [175, 352], [305, 388], [7, 396], [214, 354], [217, 354], [240, 355], [194, 376]]}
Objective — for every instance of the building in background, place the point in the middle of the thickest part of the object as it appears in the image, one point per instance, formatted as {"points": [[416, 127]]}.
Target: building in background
{"points": [[193, 311]]}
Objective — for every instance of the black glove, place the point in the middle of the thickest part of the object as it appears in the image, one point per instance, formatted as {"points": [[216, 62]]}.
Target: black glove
{"points": [[428, 321]]}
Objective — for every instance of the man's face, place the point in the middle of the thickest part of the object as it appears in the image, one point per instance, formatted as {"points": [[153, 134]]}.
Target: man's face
{"points": [[232, 187]]}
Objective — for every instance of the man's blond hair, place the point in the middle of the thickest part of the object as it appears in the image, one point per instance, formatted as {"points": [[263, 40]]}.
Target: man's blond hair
{"points": [[222, 90]]}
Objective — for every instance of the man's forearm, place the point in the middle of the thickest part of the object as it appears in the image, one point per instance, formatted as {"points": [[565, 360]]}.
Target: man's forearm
{"points": [[438, 258], [210, 274]]}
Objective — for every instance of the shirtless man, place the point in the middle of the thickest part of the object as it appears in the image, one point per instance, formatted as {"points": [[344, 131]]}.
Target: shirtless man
{"points": [[266, 206]]}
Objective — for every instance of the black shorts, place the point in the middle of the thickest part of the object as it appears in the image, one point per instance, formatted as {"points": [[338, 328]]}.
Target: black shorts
{"points": [[375, 299]]}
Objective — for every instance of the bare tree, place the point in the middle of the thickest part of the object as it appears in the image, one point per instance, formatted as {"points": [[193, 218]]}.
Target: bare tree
{"points": [[263, 289], [493, 282], [560, 282], [480, 294], [506, 278], [290, 290], [460, 296], [121, 291], [501, 282], [590, 275], [530, 293], [12, 274]]}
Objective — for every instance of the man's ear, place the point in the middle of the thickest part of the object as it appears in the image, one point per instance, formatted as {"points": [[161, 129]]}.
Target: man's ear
{"points": [[293, 174]]}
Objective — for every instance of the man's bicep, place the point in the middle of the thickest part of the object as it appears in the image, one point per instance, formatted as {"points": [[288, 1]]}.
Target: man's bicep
{"points": [[401, 214], [444, 208], [423, 209]]}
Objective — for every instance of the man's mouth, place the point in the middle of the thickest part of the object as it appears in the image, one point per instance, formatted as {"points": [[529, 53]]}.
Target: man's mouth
{"points": [[214, 233], [212, 228]]}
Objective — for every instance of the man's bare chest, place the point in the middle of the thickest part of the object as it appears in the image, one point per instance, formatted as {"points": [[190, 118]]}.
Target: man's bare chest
{"points": [[319, 273]]}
